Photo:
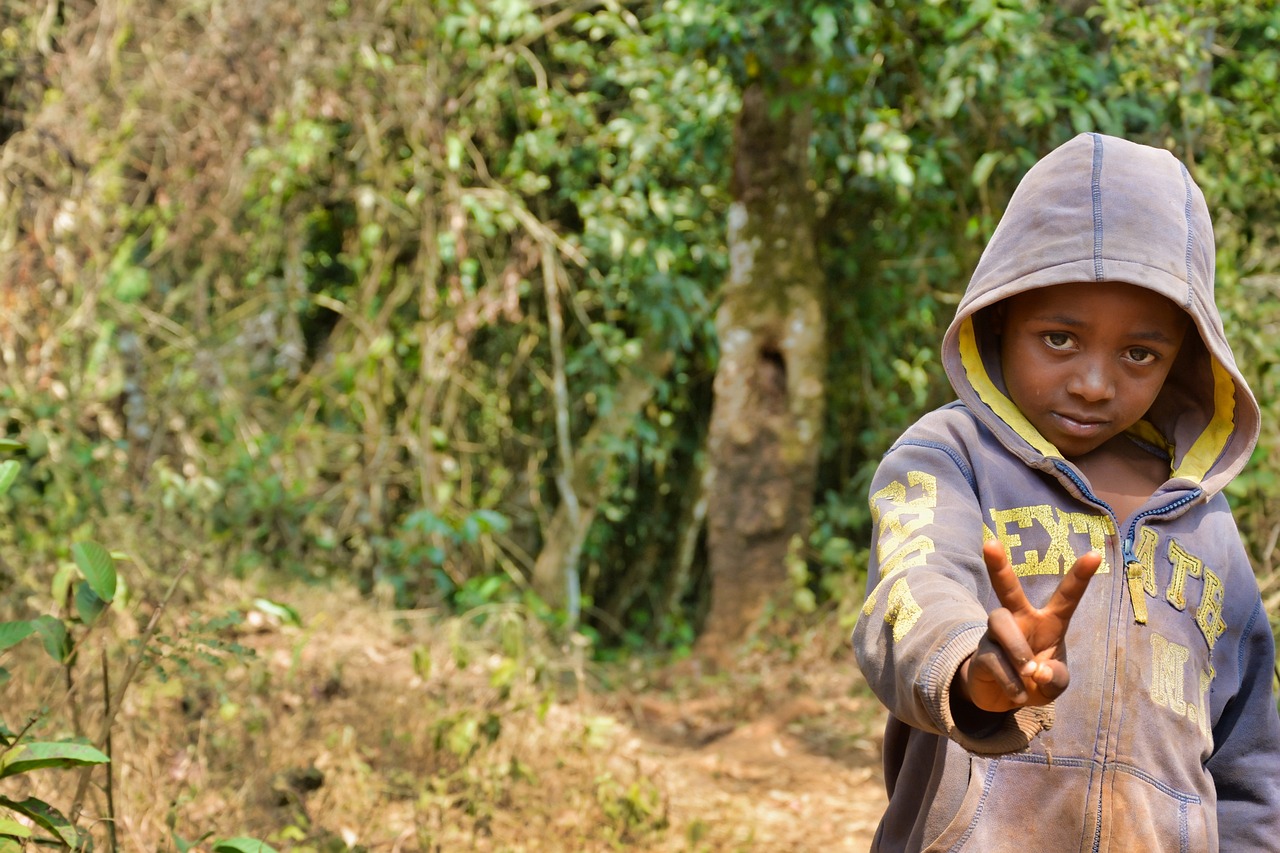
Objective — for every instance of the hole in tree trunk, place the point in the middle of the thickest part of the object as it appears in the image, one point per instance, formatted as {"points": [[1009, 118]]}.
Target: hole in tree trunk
{"points": [[771, 376]]}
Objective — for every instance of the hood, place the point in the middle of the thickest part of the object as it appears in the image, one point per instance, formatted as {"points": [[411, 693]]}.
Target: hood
{"points": [[1096, 209]]}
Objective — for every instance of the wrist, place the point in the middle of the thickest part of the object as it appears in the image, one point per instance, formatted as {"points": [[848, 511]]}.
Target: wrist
{"points": [[960, 681], [974, 721]]}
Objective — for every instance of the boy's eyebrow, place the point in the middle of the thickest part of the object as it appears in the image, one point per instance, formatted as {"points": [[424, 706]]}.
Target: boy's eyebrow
{"points": [[1155, 336]]}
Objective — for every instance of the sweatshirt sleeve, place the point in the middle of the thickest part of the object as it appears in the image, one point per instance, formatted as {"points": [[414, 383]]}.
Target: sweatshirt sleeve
{"points": [[924, 612], [1245, 763]]}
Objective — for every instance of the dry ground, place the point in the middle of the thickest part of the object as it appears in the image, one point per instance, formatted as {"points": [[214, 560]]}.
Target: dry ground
{"points": [[364, 729]]}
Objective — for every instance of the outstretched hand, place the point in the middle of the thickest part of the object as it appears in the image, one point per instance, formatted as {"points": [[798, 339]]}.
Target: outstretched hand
{"points": [[1021, 660]]}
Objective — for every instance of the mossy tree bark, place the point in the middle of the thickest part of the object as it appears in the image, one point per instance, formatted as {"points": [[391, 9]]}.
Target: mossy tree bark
{"points": [[767, 416]]}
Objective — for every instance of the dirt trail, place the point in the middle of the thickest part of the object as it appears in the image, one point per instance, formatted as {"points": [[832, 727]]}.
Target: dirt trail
{"points": [[782, 755], [802, 775]]}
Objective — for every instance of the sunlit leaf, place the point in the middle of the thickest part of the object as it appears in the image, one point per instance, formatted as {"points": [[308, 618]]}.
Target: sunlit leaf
{"points": [[283, 612], [8, 473], [47, 817], [14, 829], [26, 757], [98, 568]]}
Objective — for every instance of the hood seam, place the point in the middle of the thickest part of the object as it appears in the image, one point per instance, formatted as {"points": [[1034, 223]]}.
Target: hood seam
{"points": [[1096, 191], [1191, 234]]}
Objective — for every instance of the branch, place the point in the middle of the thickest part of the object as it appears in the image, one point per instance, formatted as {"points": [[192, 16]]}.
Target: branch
{"points": [[113, 706]]}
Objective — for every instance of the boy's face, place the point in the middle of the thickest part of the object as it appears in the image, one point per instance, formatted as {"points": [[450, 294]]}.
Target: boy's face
{"points": [[1085, 361]]}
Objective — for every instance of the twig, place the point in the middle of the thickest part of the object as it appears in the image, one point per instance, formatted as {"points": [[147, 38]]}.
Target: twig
{"points": [[114, 702], [111, 788], [560, 394]]}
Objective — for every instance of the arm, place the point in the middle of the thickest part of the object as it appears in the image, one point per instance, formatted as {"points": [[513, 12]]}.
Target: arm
{"points": [[1245, 764], [925, 614]]}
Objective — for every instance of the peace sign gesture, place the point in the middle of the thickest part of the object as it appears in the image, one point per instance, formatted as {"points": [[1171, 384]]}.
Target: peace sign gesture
{"points": [[1022, 659]]}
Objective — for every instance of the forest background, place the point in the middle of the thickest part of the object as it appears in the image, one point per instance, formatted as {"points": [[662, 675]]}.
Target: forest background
{"points": [[565, 335]]}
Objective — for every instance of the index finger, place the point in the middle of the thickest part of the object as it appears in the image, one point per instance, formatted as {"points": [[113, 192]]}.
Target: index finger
{"points": [[1003, 579], [1069, 592]]}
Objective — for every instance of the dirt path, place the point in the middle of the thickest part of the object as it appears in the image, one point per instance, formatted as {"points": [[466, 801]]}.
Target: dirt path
{"points": [[359, 731], [802, 775]]}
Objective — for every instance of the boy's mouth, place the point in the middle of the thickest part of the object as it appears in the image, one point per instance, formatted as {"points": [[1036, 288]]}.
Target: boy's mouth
{"points": [[1078, 424]]}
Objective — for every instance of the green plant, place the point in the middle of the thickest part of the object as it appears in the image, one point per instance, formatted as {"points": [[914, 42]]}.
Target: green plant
{"points": [[88, 589]]}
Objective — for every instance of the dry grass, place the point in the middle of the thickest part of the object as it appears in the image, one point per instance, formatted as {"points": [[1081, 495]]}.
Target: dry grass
{"points": [[361, 729]]}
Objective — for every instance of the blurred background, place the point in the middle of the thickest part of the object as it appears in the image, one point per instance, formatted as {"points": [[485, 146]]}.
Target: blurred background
{"points": [[580, 323]]}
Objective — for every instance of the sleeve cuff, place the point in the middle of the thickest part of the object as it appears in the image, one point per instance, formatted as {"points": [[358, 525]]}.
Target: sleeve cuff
{"points": [[981, 732]]}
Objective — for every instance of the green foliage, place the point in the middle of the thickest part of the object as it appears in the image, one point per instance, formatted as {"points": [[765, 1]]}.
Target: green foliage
{"points": [[357, 313], [635, 811], [63, 638]]}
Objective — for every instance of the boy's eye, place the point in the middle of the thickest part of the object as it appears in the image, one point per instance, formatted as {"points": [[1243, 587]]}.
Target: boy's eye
{"points": [[1141, 355], [1057, 340]]}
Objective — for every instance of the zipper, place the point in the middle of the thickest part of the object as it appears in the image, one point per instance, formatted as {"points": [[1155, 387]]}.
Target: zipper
{"points": [[1133, 576], [1132, 568]]}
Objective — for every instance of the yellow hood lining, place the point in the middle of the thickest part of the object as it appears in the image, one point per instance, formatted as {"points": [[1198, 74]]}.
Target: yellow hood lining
{"points": [[1194, 466]]}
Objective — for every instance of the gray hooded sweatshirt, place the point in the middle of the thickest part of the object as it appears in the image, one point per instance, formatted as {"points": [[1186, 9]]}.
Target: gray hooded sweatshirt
{"points": [[1167, 738]]}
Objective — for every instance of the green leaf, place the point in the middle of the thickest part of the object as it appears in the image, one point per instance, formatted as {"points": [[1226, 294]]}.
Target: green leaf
{"points": [[983, 168], [12, 633], [88, 605], [8, 473], [242, 844], [13, 829], [9, 445], [97, 567], [63, 578], [47, 817], [54, 636], [36, 756], [283, 612], [184, 845]]}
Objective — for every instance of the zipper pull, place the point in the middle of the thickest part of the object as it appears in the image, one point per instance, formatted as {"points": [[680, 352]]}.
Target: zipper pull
{"points": [[1137, 595], [1133, 573]]}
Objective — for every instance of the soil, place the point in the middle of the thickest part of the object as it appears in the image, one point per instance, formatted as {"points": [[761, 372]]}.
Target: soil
{"points": [[789, 755], [363, 729], [780, 754]]}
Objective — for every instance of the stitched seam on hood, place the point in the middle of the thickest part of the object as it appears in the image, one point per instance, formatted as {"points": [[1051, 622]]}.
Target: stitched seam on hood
{"points": [[1096, 189], [1191, 234]]}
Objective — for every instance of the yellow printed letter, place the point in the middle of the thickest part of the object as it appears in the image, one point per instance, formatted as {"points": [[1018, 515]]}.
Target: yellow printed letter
{"points": [[902, 610], [1184, 563], [1168, 673], [1209, 613]]}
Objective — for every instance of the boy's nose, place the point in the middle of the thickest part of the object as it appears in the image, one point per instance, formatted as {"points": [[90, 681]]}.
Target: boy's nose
{"points": [[1092, 383]]}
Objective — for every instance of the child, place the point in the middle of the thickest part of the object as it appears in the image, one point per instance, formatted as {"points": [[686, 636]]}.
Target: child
{"points": [[1101, 413]]}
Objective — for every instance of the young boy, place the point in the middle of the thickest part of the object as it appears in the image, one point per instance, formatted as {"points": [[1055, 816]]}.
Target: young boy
{"points": [[1100, 415]]}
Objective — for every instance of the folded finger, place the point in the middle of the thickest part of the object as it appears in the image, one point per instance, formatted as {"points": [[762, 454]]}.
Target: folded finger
{"points": [[1057, 681], [1003, 629], [990, 664]]}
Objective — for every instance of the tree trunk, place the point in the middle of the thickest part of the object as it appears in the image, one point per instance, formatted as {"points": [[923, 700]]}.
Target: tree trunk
{"points": [[766, 421]]}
